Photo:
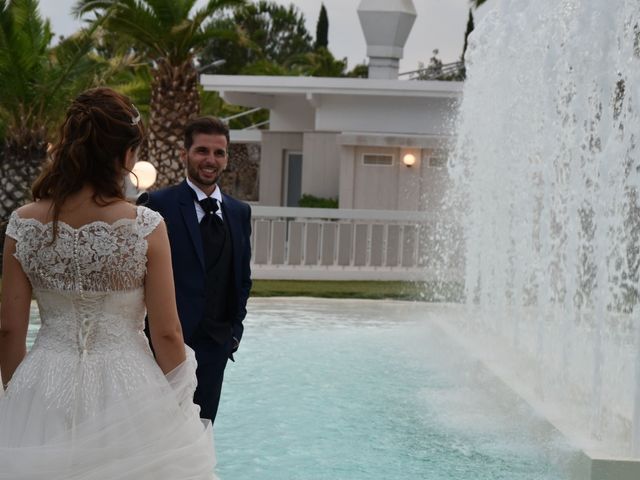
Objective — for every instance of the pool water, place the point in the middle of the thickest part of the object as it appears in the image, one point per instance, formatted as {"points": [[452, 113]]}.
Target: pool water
{"points": [[356, 389]]}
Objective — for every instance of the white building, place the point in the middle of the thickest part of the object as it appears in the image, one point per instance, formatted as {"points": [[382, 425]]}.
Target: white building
{"points": [[352, 139]]}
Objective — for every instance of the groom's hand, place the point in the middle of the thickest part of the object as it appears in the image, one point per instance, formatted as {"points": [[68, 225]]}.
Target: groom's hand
{"points": [[235, 343]]}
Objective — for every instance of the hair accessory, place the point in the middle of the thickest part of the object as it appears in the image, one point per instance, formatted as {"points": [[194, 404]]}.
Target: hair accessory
{"points": [[135, 120]]}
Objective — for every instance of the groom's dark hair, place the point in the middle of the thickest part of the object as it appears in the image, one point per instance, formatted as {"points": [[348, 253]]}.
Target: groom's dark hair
{"points": [[207, 125]]}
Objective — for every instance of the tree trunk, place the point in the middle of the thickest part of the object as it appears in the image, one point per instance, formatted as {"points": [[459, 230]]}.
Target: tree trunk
{"points": [[21, 159], [174, 100]]}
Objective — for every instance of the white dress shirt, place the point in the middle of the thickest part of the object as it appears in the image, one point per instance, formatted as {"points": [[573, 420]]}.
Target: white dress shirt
{"points": [[200, 195]]}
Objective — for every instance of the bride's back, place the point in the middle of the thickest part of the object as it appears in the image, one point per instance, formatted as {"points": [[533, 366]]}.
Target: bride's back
{"points": [[88, 280], [100, 251]]}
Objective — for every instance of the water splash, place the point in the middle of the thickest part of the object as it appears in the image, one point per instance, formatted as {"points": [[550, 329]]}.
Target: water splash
{"points": [[547, 172]]}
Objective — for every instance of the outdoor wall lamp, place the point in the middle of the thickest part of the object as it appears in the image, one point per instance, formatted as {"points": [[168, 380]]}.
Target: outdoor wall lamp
{"points": [[215, 64], [143, 175], [409, 159]]}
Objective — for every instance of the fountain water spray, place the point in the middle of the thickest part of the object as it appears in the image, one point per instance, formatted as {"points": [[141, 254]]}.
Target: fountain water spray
{"points": [[547, 171]]}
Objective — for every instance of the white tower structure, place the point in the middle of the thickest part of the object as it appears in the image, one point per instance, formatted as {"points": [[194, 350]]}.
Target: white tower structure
{"points": [[386, 25]]}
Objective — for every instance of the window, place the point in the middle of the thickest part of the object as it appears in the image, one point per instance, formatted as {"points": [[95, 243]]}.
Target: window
{"points": [[377, 159], [438, 160], [292, 178]]}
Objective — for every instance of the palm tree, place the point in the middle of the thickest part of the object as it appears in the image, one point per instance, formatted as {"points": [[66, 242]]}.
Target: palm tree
{"points": [[37, 83], [170, 36]]}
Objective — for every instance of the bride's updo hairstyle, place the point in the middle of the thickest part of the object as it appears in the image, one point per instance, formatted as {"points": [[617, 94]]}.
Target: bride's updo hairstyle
{"points": [[101, 125]]}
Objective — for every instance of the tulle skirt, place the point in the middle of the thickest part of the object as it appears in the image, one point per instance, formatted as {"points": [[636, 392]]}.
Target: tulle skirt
{"points": [[149, 432]]}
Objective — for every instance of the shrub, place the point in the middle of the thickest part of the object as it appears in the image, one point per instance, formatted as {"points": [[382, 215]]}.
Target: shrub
{"points": [[309, 201]]}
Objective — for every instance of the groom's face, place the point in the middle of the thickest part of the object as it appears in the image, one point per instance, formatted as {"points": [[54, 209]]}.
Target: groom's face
{"points": [[205, 160]]}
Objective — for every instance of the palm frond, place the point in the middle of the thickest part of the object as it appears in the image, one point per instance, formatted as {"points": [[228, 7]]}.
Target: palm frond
{"points": [[135, 83], [24, 38], [215, 31], [168, 12], [39, 80], [132, 18], [72, 60], [217, 5], [82, 7], [213, 7]]}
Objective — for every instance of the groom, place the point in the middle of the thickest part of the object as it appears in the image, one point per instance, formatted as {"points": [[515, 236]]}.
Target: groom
{"points": [[209, 234]]}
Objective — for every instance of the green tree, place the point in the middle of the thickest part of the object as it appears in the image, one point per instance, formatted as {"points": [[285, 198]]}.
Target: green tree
{"points": [[470, 27], [361, 70], [322, 29], [319, 63], [38, 81], [268, 35], [433, 70], [170, 33], [436, 70]]}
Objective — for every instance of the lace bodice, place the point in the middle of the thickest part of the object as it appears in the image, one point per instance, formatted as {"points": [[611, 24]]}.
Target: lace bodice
{"points": [[88, 284], [97, 257]]}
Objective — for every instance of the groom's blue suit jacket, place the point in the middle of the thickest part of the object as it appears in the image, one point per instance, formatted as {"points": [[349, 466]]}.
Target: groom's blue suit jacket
{"points": [[176, 205]]}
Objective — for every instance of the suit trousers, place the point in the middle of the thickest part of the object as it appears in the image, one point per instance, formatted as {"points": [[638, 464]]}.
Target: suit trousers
{"points": [[212, 359]]}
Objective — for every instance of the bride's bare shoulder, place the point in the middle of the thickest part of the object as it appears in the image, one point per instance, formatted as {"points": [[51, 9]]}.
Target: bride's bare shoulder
{"points": [[123, 209], [38, 210], [78, 213]]}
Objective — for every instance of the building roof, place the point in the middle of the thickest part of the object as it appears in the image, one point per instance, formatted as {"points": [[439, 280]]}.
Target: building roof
{"points": [[283, 85], [343, 104]]}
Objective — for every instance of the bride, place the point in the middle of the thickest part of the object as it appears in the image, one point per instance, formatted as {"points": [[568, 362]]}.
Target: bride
{"points": [[90, 400]]}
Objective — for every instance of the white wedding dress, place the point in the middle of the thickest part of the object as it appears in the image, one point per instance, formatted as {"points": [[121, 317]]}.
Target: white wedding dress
{"points": [[89, 401]]}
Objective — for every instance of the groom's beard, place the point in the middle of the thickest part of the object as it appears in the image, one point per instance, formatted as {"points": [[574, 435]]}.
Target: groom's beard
{"points": [[193, 172]]}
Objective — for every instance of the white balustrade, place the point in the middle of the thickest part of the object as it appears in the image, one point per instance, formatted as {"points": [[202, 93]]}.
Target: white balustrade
{"points": [[343, 244]]}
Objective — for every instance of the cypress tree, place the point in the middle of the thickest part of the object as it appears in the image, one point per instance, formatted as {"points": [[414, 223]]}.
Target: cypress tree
{"points": [[470, 27], [322, 29]]}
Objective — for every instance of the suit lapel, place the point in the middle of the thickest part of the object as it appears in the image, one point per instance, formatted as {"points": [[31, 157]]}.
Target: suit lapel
{"points": [[188, 211], [230, 217]]}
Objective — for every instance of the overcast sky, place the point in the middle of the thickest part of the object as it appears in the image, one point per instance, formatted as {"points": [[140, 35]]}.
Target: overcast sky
{"points": [[440, 24]]}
